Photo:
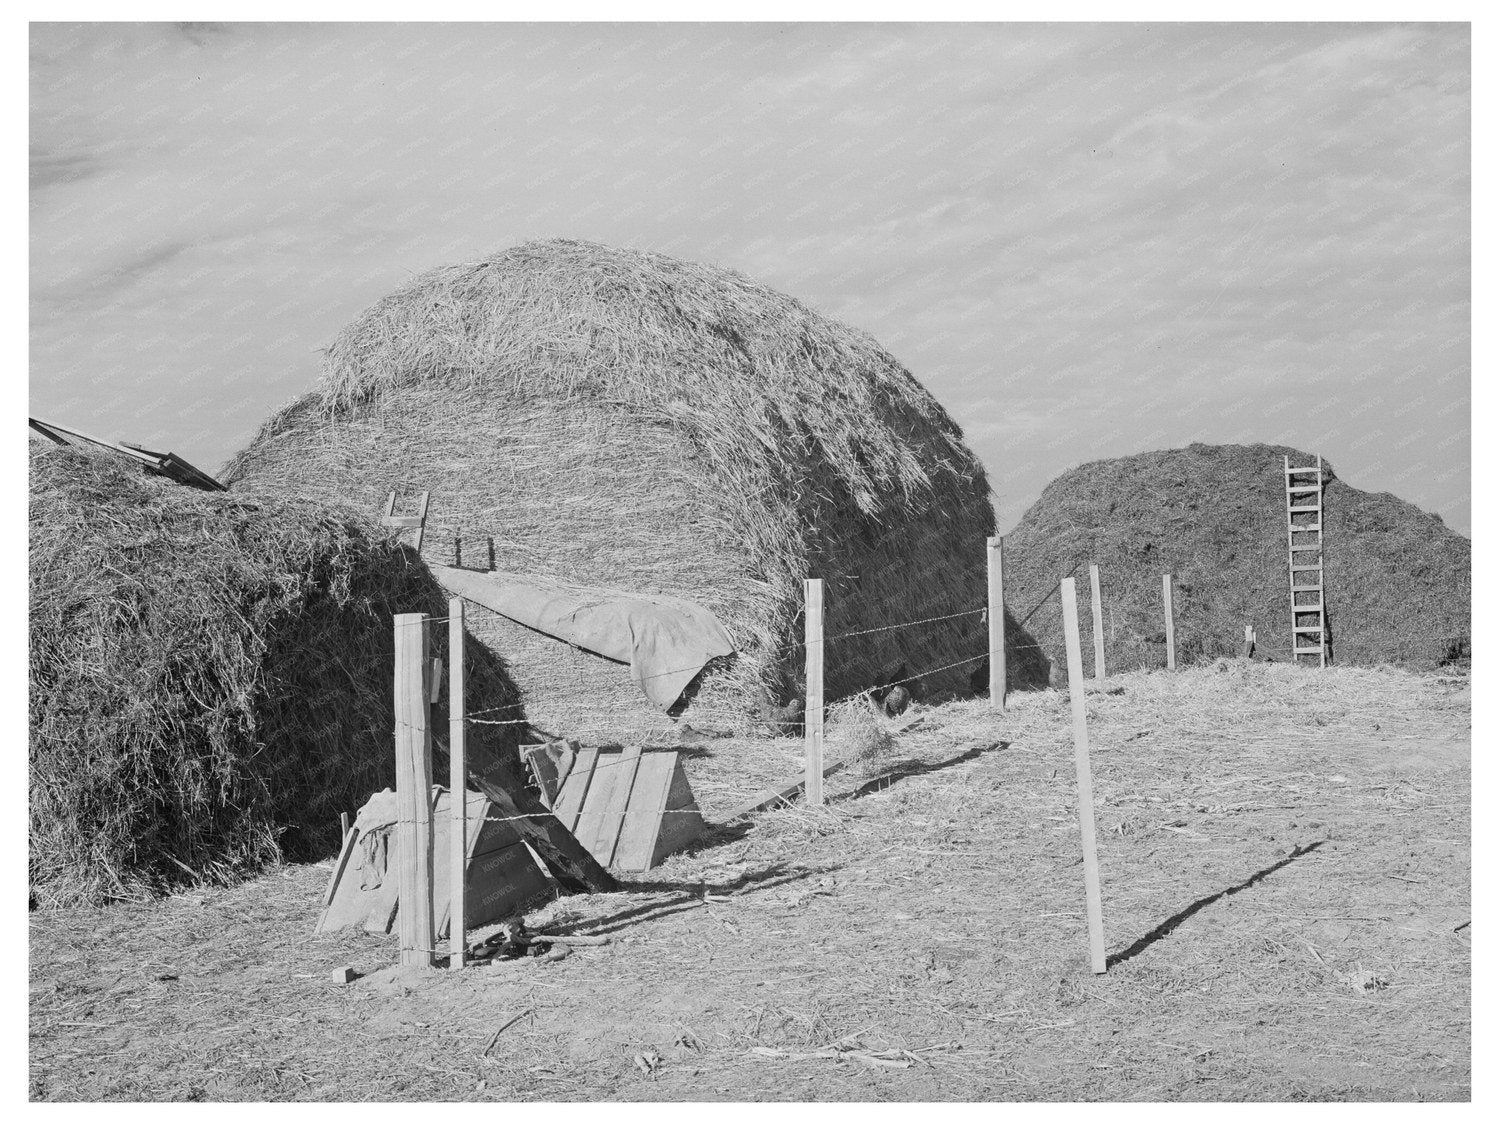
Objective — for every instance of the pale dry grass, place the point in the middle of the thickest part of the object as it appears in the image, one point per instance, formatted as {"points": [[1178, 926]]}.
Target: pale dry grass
{"points": [[1285, 869]]}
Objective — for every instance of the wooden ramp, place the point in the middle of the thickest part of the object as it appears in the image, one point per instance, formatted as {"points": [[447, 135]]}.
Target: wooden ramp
{"points": [[630, 807], [503, 876]]}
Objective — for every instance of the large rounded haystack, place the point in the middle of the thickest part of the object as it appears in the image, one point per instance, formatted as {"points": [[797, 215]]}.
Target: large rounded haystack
{"points": [[210, 677], [622, 419], [1397, 580]]}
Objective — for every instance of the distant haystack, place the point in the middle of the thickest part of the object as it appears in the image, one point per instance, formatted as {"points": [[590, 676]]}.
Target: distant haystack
{"points": [[1398, 581], [210, 677], [622, 419]]}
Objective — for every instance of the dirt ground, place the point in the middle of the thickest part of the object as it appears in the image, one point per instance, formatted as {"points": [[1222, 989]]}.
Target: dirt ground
{"points": [[1286, 883]]}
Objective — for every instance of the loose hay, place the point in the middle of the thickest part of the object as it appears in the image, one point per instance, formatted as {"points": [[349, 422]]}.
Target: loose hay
{"points": [[1398, 581], [209, 678], [625, 419], [856, 734]]}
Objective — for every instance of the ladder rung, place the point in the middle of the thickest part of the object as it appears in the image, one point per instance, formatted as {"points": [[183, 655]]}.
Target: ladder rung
{"points": [[1307, 628], [1308, 527], [1305, 546], [1307, 589], [403, 522], [1307, 651], [1303, 488], [1300, 510], [1318, 566], [1292, 471]]}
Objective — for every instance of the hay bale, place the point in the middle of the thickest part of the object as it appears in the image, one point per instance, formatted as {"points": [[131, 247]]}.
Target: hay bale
{"points": [[210, 677], [1398, 581], [624, 419]]}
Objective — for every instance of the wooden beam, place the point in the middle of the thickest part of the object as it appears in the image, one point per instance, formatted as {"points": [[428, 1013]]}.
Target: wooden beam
{"points": [[780, 795], [996, 613], [1166, 608], [413, 790], [458, 786], [1098, 622], [813, 717], [1085, 776], [564, 856]]}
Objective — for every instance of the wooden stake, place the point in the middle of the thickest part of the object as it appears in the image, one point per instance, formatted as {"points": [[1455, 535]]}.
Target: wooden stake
{"points": [[813, 717], [1166, 606], [413, 791], [1098, 623], [996, 614], [1085, 777], [458, 786]]}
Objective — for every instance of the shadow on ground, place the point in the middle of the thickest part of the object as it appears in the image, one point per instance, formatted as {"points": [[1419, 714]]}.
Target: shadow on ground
{"points": [[1166, 927]]}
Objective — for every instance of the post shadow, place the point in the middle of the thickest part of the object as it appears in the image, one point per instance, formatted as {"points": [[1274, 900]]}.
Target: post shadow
{"points": [[1171, 923]]}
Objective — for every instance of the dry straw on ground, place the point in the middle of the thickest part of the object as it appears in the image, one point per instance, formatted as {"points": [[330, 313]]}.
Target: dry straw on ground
{"points": [[624, 419], [210, 677], [1398, 581]]}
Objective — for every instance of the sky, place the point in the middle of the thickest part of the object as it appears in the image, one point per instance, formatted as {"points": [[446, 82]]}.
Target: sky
{"points": [[1087, 240]]}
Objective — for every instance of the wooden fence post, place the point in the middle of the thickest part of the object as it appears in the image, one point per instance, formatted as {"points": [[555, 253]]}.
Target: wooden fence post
{"points": [[458, 787], [996, 614], [1166, 605], [1098, 623], [413, 791], [813, 717], [1085, 776]]}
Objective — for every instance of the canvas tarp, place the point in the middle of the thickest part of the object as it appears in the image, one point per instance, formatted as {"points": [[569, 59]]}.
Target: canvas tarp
{"points": [[665, 640]]}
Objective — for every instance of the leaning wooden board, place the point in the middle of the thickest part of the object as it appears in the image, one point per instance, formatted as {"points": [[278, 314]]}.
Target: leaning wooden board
{"points": [[630, 808]]}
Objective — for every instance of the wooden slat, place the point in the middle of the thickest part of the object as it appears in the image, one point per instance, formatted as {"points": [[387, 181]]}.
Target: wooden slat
{"points": [[614, 819], [1301, 510], [574, 791], [592, 822], [782, 794], [636, 845]]}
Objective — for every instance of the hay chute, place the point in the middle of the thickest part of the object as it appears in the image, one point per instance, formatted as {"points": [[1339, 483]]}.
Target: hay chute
{"points": [[623, 419], [210, 677], [1398, 581]]}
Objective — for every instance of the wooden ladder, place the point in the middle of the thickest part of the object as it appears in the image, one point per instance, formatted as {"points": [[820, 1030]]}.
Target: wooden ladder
{"points": [[1304, 556], [399, 523]]}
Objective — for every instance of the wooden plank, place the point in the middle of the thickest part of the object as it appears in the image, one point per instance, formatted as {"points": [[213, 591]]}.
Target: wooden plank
{"points": [[592, 825], [568, 861], [782, 794], [648, 802], [574, 791], [458, 785], [812, 593], [1085, 777], [413, 790], [995, 547], [1098, 622], [1166, 607], [619, 808], [422, 520]]}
